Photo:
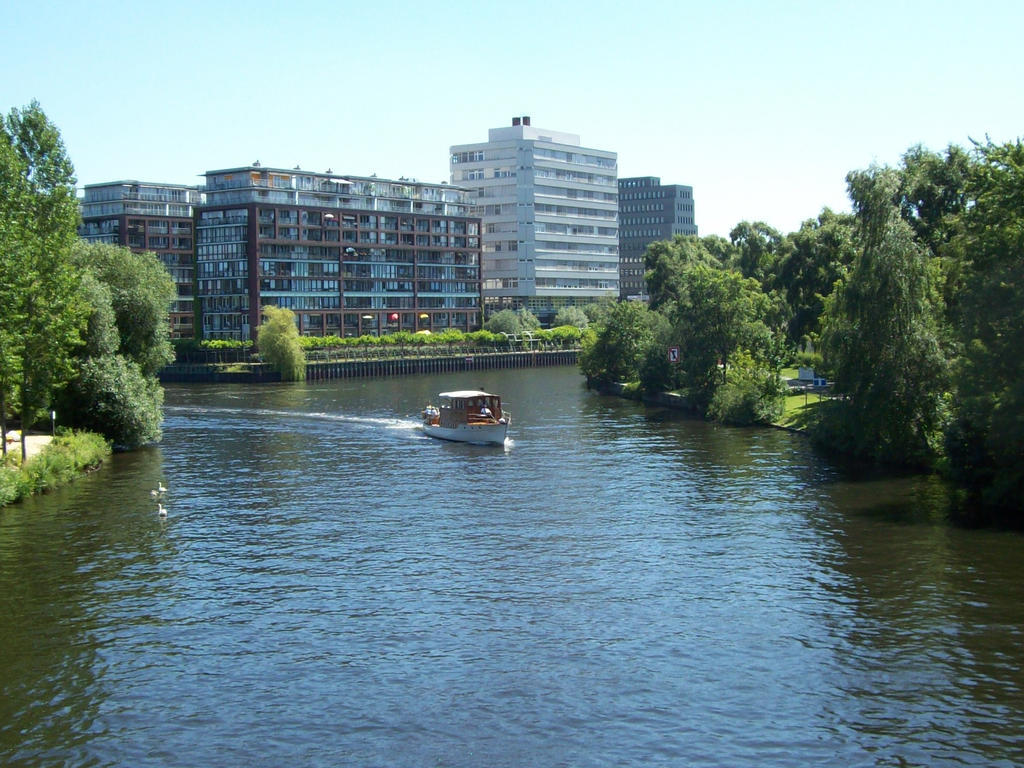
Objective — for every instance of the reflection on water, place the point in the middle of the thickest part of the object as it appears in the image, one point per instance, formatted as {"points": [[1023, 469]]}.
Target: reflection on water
{"points": [[617, 586]]}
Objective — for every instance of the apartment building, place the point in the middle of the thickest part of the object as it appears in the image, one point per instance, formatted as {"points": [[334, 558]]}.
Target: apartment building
{"points": [[648, 211], [349, 255], [548, 208], [149, 217]]}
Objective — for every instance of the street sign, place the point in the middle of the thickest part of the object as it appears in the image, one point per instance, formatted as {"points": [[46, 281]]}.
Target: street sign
{"points": [[673, 354]]}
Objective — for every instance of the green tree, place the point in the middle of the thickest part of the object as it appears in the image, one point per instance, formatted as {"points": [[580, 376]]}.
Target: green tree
{"points": [[754, 393], [597, 311], [757, 248], [986, 441], [657, 372], [665, 262], [613, 353], [718, 313], [141, 292], [111, 396], [42, 322], [573, 316], [115, 391], [820, 254], [932, 194], [881, 336], [933, 199], [13, 212], [512, 321], [279, 344]]}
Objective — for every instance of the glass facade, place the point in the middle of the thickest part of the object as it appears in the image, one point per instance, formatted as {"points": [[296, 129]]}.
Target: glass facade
{"points": [[648, 212], [348, 255], [149, 217], [549, 211]]}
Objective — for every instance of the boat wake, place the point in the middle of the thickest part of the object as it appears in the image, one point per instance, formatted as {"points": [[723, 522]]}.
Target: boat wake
{"points": [[375, 422]]}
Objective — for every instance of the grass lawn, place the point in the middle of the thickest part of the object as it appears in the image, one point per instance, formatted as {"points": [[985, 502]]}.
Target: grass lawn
{"points": [[799, 407]]}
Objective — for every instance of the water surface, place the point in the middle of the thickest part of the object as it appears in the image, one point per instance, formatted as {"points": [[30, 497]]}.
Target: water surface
{"points": [[618, 586]]}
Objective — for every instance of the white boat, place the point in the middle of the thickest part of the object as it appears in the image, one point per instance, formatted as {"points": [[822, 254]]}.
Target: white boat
{"points": [[468, 416]]}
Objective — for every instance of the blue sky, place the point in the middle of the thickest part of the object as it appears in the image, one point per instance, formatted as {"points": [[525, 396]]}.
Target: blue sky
{"points": [[762, 107]]}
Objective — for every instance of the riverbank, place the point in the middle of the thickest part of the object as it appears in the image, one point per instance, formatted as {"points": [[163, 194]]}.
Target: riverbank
{"points": [[50, 462], [398, 363], [34, 444]]}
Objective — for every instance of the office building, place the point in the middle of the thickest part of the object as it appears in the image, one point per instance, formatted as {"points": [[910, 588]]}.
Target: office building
{"points": [[148, 217], [648, 211], [548, 209], [349, 255]]}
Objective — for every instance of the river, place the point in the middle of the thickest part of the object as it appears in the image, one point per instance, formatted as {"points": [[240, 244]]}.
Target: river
{"points": [[617, 586]]}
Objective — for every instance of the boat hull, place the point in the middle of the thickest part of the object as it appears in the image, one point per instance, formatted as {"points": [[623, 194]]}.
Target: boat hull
{"points": [[481, 434]]}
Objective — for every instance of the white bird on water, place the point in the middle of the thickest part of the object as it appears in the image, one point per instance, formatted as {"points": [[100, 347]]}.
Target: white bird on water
{"points": [[161, 510], [160, 490]]}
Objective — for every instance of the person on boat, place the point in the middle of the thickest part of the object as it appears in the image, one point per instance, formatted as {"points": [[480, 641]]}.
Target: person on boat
{"points": [[485, 411]]}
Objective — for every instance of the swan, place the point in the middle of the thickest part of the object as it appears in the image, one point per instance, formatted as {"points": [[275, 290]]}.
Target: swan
{"points": [[161, 510], [160, 490]]}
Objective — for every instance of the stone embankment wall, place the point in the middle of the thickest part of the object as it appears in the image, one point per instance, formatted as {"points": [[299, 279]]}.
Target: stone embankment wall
{"points": [[352, 369]]}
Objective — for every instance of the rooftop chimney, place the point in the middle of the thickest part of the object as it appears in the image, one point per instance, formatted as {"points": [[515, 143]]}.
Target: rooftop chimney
{"points": [[515, 121], [526, 119]]}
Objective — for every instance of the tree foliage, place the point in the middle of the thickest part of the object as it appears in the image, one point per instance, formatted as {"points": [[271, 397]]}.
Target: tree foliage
{"points": [[574, 316], [665, 262], [882, 336], [753, 393], [820, 253], [141, 292], [43, 315], [986, 441], [111, 396], [115, 391], [512, 321], [757, 248], [718, 313], [613, 353], [278, 342]]}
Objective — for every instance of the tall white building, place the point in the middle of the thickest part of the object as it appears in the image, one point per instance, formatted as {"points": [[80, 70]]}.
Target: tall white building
{"points": [[549, 210]]}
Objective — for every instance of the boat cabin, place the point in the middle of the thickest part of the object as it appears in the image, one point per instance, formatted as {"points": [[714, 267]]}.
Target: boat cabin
{"points": [[468, 407]]}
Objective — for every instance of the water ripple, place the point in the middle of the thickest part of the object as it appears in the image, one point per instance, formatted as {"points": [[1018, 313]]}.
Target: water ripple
{"points": [[615, 587]]}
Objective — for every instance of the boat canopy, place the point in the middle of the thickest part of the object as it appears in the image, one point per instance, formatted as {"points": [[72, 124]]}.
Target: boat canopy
{"points": [[466, 394]]}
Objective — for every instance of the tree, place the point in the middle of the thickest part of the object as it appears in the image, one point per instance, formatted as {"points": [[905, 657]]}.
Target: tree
{"points": [[112, 397], [666, 261], [279, 345], [717, 314], [820, 254], [573, 316], [115, 391], [757, 248], [933, 198], [881, 336], [614, 352], [597, 311], [512, 321], [43, 316], [754, 393], [141, 292], [13, 209], [933, 194], [986, 440]]}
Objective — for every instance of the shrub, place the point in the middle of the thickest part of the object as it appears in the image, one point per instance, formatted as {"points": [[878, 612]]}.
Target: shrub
{"points": [[573, 316], [754, 394], [112, 397], [564, 334], [10, 485], [60, 462], [280, 343]]}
